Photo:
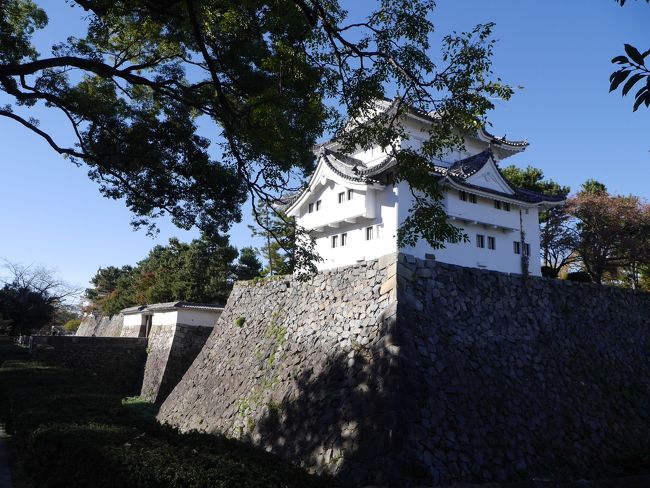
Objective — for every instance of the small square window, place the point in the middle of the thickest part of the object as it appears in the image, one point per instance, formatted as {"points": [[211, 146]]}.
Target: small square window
{"points": [[516, 246], [472, 198], [480, 241], [344, 239], [497, 204], [368, 233], [350, 193], [506, 206], [335, 241], [462, 195], [311, 207], [491, 243], [317, 205], [341, 197]]}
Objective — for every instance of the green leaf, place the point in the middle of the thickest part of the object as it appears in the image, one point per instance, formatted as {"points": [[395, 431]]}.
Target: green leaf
{"points": [[634, 54], [630, 83], [620, 60], [617, 78], [640, 96]]}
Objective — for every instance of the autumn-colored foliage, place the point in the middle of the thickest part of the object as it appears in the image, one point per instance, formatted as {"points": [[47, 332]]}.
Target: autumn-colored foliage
{"points": [[612, 234]]}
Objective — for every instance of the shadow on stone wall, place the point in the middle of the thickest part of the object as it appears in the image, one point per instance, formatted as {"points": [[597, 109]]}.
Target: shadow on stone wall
{"points": [[345, 420]]}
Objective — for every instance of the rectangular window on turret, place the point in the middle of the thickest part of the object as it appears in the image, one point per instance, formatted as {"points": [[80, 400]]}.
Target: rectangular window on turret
{"points": [[506, 206], [472, 198], [344, 239], [341, 197], [516, 246], [311, 207], [368, 233], [335, 241], [491, 243], [462, 195], [318, 205], [526, 249], [480, 241], [497, 204]]}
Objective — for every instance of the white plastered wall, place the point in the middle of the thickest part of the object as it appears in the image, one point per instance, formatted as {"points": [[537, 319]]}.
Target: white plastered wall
{"points": [[201, 318], [357, 248], [505, 232], [134, 319]]}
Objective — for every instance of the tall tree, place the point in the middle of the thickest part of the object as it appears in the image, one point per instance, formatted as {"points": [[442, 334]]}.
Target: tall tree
{"points": [[112, 289], [593, 187], [532, 178], [558, 242], [614, 233], [248, 265], [31, 298], [200, 271], [266, 78], [281, 242]]}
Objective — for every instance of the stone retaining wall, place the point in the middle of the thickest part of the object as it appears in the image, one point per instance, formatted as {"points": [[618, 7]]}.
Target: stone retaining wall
{"points": [[505, 377], [299, 368], [172, 349], [115, 362], [102, 326], [417, 372]]}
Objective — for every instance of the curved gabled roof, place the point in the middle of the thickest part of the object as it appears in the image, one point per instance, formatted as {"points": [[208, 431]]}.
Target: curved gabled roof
{"points": [[347, 170], [465, 168], [351, 169], [486, 136], [460, 171], [357, 172]]}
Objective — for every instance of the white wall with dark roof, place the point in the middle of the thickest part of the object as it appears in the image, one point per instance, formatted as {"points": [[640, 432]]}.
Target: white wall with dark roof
{"points": [[385, 208], [475, 219]]}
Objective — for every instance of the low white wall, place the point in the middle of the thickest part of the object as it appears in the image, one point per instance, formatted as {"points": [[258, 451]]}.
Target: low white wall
{"points": [[134, 319], [165, 318], [202, 318]]}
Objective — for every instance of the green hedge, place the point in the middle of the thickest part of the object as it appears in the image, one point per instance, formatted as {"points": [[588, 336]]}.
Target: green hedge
{"points": [[67, 433]]}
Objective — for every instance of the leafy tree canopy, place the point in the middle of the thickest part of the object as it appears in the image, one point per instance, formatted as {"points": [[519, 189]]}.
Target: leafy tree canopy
{"points": [[613, 234], [282, 241], [532, 178], [72, 325], [264, 79], [201, 271], [32, 297], [593, 187], [249, 265]]}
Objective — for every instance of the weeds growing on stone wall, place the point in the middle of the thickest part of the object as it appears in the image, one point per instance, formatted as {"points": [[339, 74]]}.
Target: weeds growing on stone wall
{"points": [[66, 432], [270, 355]]}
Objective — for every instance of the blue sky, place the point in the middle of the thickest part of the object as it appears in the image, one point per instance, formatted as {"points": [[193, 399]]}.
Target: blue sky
{"points": [[558, 51]]}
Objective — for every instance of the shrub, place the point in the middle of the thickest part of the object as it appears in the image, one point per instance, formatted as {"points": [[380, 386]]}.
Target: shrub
{"points": [[68, 433], [72, 325], [580, 276]]}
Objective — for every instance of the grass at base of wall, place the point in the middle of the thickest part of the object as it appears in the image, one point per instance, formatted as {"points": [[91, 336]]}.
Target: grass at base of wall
{"points": [[67, 433]]}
